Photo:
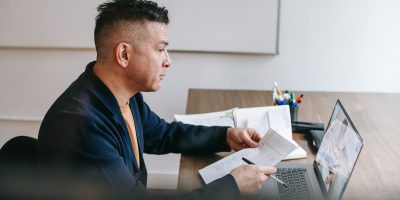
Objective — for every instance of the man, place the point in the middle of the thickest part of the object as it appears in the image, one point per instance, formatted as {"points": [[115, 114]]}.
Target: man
{"points": [[99, 128]]}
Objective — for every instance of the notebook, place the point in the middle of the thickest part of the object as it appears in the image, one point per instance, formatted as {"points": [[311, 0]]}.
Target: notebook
{"points": [[328, 176]]}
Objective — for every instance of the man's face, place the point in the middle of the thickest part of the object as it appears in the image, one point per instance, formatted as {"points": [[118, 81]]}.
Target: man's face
{"points": [[150, 59]]}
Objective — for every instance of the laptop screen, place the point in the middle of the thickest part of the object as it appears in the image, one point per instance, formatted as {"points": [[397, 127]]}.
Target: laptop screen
{"points": [[338, 152]]}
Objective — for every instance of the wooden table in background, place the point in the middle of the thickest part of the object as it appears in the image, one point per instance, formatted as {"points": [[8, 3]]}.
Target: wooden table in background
{"points": [[375, 115]]}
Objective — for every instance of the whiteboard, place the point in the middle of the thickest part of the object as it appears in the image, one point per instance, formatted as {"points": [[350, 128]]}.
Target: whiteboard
{"points": [[195, 25], [223, 25]]}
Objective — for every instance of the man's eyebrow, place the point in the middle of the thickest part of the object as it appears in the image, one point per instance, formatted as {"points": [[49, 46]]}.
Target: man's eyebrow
{"points": [[164, 42]]}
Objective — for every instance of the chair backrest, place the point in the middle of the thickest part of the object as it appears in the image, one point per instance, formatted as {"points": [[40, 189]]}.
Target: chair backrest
{"points": [[20, 150], [19, 178]]}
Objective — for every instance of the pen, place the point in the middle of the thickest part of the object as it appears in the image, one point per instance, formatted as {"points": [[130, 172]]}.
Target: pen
{"points": [[272, 176], [299, 98], [278, 90], [292, 102]]}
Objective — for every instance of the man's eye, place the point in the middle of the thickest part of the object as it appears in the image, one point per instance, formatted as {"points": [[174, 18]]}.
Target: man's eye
{"points": [[161, 50]]}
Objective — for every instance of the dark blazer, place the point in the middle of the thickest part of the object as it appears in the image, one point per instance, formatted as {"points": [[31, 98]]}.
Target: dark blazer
{"points": [[84, 137]]}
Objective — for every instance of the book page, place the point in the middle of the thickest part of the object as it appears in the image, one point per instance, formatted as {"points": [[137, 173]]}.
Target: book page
{"points": [[278, 118], [260, 124], [270, 151], [262, 118], [221, 118]]}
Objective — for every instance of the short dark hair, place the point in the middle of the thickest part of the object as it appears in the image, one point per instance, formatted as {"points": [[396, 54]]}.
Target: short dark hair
{"points": [[121, 11]]}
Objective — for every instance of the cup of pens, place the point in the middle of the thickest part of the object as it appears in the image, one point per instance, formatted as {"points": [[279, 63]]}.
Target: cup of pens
{"points": [[287, 98]]}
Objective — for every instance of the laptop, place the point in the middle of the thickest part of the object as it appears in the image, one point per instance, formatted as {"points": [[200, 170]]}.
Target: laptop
{"points": [[328, 176]]}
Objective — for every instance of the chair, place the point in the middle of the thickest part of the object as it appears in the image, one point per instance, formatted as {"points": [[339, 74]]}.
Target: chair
{"points": [[18, 168], [19, 150], [21, 178]]}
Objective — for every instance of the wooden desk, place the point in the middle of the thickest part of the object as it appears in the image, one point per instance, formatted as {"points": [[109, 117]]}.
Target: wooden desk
{"points": [[375, 115]]}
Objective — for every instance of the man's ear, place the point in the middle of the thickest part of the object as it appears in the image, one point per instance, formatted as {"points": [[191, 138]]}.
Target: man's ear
{"points": [[122, 54]]}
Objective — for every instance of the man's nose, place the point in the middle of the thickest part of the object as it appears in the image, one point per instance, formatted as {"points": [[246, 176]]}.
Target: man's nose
{"points": [[167, 60]]}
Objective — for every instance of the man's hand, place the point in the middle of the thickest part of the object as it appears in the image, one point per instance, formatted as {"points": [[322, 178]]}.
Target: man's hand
{"points": [[240, 138], [250, 178]]}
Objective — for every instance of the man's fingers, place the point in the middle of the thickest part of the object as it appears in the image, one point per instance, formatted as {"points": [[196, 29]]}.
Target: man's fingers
{"points": [[249, 142], [254, 135], [266, 170]]}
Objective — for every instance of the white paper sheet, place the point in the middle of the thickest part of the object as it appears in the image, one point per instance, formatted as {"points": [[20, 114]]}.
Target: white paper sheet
{"points": [[222, 118], [270, 151]]}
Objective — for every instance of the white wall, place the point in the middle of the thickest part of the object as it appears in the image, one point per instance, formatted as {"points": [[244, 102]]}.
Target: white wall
{"points": [[332, 45]]}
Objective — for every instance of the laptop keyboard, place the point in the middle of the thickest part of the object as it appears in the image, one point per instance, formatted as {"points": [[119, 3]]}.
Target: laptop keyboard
{"points": [[296, 179]]}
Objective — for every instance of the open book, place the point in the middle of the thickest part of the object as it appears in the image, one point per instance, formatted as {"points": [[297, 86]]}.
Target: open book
{"points": [[258, 118]]}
